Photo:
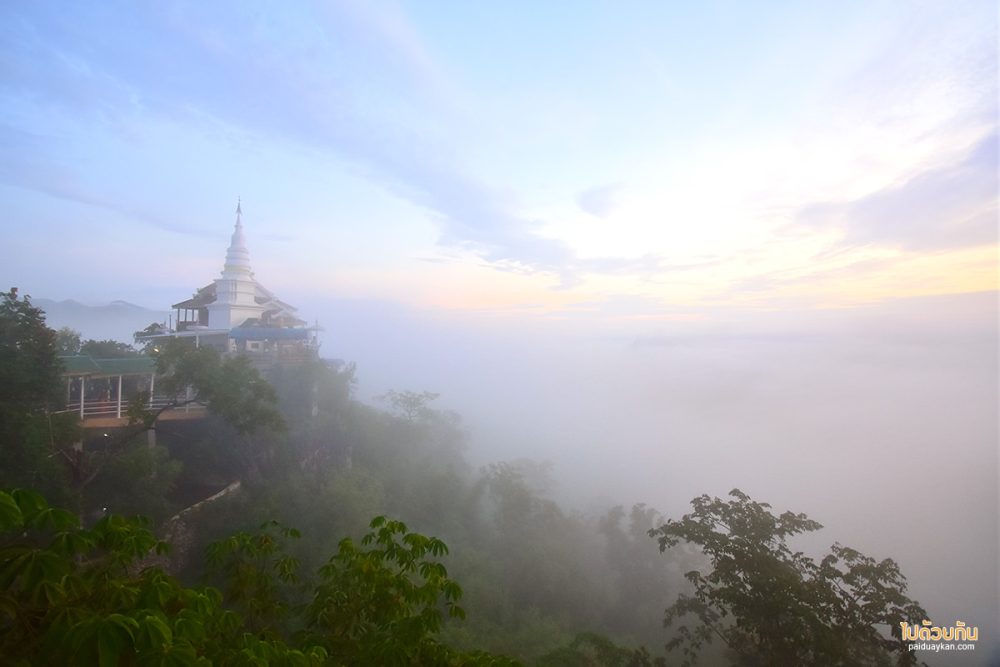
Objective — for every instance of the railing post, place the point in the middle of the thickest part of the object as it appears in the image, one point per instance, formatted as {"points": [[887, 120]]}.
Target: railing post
{"points": [[118, 412], [83, 392], [152, 384]]}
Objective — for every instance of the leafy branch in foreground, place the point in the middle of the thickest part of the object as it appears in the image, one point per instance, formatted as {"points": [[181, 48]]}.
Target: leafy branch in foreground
{"points": [[773, 606], [76, 596]]}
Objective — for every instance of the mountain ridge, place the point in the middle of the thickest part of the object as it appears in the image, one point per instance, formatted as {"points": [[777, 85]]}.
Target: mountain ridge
{"points": [[116, 320]]}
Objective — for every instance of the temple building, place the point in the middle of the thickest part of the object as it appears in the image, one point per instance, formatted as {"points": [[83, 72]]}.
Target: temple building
{"points": [[238, 315]]}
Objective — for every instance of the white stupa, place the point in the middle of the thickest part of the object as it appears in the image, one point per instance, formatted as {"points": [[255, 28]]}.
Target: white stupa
{"points": [[235, 312], [236, 292]]}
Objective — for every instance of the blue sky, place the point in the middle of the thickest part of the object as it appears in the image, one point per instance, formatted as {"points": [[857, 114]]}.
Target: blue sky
{"points": [[517, 159]]}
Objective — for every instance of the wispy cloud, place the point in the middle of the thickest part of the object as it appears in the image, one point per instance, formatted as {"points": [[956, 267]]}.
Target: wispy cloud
{"points": [[308, 95], [599, 201], [48, 177], [948, 207], [361, 85]]}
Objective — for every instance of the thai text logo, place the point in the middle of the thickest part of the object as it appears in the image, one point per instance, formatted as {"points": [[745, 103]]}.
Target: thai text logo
{"points": [[927, 632]]}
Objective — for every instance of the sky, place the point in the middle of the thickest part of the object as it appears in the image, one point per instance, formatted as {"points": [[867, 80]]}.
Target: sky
{"points": [[515, 160], [673, 247]]}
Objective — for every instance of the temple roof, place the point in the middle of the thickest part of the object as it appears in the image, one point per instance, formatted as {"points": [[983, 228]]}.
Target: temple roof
{"points": [[276, 311], [201, 298]]}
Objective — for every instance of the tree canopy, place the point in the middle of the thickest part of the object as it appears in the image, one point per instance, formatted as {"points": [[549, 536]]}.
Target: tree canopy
{"points": [[87, 596], [772, 606], [30, 389], [230, 386], [107, 349], [68, 341], [29, 365]]}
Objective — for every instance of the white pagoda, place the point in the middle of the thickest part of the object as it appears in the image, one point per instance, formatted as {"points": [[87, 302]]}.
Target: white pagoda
{"points": [[238, 315]]}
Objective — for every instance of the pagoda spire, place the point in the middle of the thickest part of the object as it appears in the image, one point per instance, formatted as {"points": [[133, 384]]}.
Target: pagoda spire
{"points": [[237, 256]]}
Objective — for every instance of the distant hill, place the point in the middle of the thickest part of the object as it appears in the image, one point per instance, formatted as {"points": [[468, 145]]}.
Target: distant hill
{"points": [[117, 320]]}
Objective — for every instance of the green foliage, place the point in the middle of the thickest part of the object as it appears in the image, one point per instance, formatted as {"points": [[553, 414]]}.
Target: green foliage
{"points": [[67, 341], [534, 575], [33, 440], [589, 649], [72, 596], [241, 396], [256, 571], [355, 494], [29, 367], [642, 581], [138, 480], [231, 387], [773, 606], [539, 550], [42, 449], [380, 602], [233, 390], [107, 349], [143, 341], [75, 596], [33, 448], [410, 405]]}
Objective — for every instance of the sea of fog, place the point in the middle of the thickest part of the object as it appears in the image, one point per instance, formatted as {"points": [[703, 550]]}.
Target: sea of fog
{"points": [[879, 421]]}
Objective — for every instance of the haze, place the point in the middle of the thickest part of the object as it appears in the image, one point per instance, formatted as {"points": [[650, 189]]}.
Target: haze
{"points": [[671, 248]]}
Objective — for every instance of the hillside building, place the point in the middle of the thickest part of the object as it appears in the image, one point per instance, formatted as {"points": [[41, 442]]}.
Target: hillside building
{"points": [[237, 315]]}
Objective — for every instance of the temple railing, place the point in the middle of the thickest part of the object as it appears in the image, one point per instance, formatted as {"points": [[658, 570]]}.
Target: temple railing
{"points": [[115, 409]]}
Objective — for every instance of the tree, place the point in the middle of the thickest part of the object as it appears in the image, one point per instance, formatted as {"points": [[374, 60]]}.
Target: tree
{"points": [[80, 596], [380, 602], [144, 339], [68, 341], [30, 390], [107, 349], [589, 649], [231, 387], [773, 606], [83, 596], [34, 439], [642, 583], [29, 366], [410, 405], [538, 552]]}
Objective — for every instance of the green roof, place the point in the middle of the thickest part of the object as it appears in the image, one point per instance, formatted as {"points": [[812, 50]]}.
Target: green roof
{"points": [[82, 364]]}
